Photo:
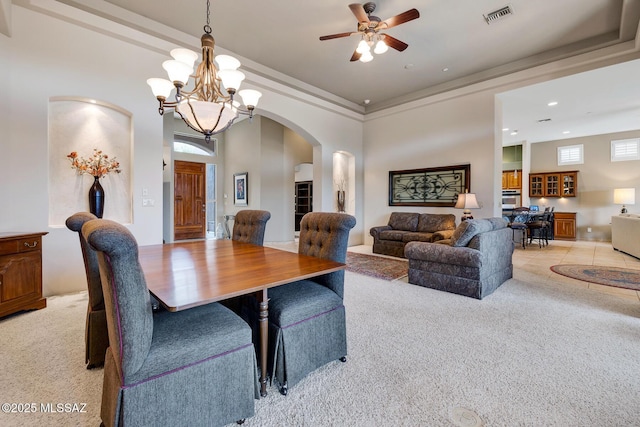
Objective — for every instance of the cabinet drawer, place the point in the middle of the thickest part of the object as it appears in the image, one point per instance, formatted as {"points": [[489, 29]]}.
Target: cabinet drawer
{"points": [[29, 244], [8, 247]]}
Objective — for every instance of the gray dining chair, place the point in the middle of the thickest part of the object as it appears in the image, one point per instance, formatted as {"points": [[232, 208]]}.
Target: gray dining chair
{"points": [[96, 336], [191, 367], [249, 226], [307, 324]]}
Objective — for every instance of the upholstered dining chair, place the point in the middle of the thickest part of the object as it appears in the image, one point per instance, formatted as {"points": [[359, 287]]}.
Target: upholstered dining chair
{"points": [[96, 337], [249, 226], [307, 318], [191, 367]]}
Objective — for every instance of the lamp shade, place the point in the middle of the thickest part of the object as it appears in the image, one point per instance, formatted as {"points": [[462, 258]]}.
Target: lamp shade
{"points": [[381, 47], [624, 196], [231, 79], [226, 62], [160, 87], [250, 97], [467, 201], [178, 71], [185, 56]]}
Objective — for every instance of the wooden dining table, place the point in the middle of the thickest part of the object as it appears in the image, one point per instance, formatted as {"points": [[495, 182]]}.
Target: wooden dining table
{"points": [[188, 274]]}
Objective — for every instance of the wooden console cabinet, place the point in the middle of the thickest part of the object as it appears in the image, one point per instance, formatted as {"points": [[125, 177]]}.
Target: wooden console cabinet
{"points": [[20, 272], [564, 225]]}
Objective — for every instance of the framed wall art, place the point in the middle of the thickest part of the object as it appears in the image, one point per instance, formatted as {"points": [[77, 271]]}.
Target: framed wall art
{"points": [[438, 186], [241, 188]]}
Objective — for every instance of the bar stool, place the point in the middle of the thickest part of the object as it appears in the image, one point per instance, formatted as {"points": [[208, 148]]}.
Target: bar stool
{"points": [[519, 223], [539, 229]]}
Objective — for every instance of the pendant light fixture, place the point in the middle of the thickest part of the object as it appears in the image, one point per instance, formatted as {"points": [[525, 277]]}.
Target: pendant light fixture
{"points": [[208, 108]]}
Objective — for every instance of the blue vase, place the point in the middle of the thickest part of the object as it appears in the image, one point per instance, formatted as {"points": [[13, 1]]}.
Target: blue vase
{"points": [[96, 198]]}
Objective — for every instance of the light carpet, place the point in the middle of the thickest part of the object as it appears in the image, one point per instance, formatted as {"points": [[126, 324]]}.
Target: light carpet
{"points": [[530, 354], [618, 277]]}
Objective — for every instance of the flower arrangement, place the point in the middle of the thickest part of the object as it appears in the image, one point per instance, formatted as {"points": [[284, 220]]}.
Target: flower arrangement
{"points": [[98, 165]]}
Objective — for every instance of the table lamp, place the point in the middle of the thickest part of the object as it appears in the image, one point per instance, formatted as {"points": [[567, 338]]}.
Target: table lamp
{"points": [[624, 196], [467, 201]]}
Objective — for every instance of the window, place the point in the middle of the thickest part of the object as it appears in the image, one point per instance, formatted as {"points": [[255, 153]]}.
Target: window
{"points": [[184, 147], [193, 145], [571, 155], [625, 149]]}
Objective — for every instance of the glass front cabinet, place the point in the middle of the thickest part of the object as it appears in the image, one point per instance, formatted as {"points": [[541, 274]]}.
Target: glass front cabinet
{"points": [[553, 184]]}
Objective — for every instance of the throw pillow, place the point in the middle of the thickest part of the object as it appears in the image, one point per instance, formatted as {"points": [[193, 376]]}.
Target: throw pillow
{"points": [[468, 229], [407, 221]]}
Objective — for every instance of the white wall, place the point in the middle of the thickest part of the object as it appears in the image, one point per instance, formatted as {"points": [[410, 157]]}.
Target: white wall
{"points": [[444, 133], [45, 58]]}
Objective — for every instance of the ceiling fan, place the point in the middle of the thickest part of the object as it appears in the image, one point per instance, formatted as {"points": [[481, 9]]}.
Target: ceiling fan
{"points": [[370, 27]]}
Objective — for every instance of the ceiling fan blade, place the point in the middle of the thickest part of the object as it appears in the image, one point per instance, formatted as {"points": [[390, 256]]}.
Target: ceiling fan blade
{"points": [[395, 43], [407, 16], [355, 56], [359, 12], [337, 36]]}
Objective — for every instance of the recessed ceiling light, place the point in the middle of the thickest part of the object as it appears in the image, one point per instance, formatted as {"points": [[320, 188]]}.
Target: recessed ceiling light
{"points": [[445, 69], [366, 101], [515, 132], [552, 103], [566, 132], [505, 129]]}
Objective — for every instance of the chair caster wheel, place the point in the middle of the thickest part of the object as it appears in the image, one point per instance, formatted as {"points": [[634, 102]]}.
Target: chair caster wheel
{"points": [[343, 359], [239, 422]]}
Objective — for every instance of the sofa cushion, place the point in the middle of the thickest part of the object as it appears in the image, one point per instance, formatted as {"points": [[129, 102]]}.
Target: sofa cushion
{"points": [[498, 223], [396, 235], [407, 221], [410, 236], [468, 229], [430, 223]]}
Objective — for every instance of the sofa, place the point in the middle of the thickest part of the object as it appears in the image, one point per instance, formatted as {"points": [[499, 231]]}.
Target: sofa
{"points": [[405, 227], [474, 262], [625, 234]]}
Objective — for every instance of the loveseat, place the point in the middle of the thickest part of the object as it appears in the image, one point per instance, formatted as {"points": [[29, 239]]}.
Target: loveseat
{"points": [[405, 227], [474, 262], [625, 234]]}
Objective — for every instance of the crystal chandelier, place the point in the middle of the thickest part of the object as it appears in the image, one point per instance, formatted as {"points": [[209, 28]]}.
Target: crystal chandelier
{"points": [[206, 108]]}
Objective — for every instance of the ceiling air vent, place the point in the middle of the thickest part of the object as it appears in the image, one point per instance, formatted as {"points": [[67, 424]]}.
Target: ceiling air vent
{"points": [[544, 120], [498, 14]]}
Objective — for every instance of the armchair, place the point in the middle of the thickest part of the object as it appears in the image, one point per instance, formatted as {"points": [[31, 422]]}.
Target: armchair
{"points": [[474, 262]]}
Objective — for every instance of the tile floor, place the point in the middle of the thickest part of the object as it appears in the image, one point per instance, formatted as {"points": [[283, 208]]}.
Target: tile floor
{"points": [[533, 263]]}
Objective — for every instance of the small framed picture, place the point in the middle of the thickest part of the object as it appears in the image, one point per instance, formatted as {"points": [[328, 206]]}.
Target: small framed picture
{"points": [[240, 188]]}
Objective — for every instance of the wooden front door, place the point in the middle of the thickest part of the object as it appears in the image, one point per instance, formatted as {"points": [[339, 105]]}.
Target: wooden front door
{"points": [[189, 200]]}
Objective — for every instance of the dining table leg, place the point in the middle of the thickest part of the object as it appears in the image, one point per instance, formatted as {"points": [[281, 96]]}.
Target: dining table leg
{"points": [[264, 339]]}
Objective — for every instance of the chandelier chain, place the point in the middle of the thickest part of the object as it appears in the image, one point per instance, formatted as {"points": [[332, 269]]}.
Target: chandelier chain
{"points": [[207, 27]]}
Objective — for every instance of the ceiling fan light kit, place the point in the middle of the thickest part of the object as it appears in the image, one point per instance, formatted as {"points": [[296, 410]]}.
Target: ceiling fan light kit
{"points": [[370, 27], [207, 109]]}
